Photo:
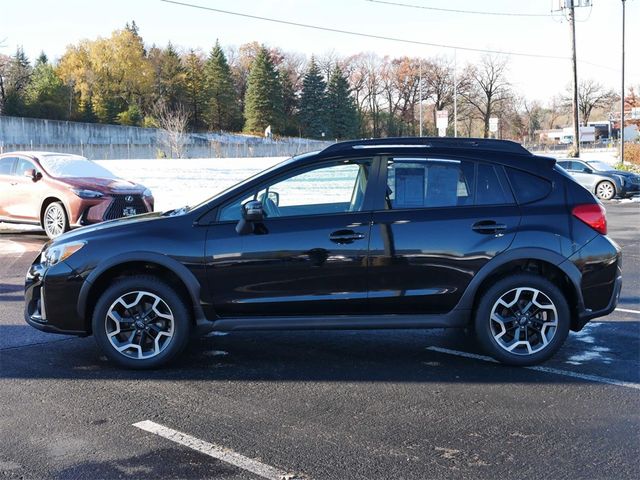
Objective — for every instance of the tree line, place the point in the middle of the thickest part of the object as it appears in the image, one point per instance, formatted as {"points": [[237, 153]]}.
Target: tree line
{"points": [[249, 88]]}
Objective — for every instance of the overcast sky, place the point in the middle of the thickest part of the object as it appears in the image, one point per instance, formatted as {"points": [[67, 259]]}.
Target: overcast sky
{"points": [[50, 26]]}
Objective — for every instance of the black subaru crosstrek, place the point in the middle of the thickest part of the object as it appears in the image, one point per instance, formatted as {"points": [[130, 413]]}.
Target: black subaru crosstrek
{"points": [[390, 233]]}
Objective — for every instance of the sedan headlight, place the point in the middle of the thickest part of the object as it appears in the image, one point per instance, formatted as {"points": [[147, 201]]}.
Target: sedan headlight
{"points": [[147, 193], [83, 193], [621, 179], [57, 253]]}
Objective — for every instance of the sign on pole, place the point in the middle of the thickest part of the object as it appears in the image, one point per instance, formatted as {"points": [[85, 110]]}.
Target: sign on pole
{"points": [[635, 113], [493, 124], [442, 122]]}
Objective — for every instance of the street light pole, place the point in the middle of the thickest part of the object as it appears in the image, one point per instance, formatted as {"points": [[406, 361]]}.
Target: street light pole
{"points": [[622, 94], [576, 125]]}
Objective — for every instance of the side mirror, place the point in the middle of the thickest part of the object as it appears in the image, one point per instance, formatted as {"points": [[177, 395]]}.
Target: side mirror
{"points": [[587, 170], [33, 174], [252, 213]]}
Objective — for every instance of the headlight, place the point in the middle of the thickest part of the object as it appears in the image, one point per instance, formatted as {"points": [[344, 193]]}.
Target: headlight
{"points": [[147, 193], [82, 193], [621, 179], [56, 254]]}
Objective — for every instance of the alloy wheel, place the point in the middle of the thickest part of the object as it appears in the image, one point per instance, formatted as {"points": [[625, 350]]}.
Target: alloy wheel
{"points": [[523, 321], [605, 191], [139, 325], [54, 221]]}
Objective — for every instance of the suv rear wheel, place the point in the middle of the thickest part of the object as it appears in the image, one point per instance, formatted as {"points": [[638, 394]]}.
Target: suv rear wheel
{"points": [[522, 320], [141, 322]]}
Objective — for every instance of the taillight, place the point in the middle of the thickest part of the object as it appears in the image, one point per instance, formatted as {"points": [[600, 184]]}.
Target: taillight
{"points": [[593, 214]]}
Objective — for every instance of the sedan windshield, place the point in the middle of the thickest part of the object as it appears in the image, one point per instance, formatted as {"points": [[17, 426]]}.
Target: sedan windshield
{"points": [[70, 166], [600, 166]]}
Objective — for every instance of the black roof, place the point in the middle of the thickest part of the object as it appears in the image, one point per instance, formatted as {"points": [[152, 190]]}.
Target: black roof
{"points": [[503, 146]]}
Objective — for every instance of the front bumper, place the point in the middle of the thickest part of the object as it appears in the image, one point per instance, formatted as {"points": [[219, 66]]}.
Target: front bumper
{"points": [[50, 299], [109, 207]]}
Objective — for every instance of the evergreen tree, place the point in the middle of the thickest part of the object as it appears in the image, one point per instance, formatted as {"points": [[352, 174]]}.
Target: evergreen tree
{"points": [[290, 105], [222, 110], [263, 104], [170, 76], [194, 83], [313, 102], [342, 115], [46, 96], [15, 82]]}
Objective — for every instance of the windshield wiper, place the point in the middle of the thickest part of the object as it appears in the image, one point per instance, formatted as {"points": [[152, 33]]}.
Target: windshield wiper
{"points": [[176, 211]]}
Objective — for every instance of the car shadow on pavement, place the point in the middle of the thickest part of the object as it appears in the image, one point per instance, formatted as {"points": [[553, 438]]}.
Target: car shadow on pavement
{"points": [[177, 463], [608, 349]]}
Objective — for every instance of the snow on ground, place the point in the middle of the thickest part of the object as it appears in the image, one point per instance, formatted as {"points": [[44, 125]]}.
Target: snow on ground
{"points": [[179, 182]]}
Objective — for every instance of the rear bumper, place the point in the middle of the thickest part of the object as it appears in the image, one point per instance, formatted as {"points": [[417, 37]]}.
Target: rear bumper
{"points": [[600, 266]]}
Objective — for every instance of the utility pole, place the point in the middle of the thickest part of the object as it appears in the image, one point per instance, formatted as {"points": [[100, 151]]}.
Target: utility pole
{"points": [[576, 124], [420, 95], [622, 94], [455, 92]]}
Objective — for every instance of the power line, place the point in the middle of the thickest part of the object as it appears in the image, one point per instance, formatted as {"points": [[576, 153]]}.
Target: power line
{"points": [[360, 34], [379, 37], [453, 10]]}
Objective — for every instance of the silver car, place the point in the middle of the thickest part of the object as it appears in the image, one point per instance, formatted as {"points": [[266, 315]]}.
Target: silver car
{"points": [[604, 181]]}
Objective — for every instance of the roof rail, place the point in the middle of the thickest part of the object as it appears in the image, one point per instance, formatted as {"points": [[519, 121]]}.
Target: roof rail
{"points": [[505, 146]]}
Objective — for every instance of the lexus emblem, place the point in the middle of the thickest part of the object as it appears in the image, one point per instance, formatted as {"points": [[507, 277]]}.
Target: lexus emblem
{"points": [[128, 198]]}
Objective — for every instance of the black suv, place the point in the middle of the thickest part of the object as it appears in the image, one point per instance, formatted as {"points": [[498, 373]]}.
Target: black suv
{"points": [[391, 233]]}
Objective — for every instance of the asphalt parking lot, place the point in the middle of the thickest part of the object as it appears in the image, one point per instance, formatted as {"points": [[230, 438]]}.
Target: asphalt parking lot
{"points": [[322, 405]]}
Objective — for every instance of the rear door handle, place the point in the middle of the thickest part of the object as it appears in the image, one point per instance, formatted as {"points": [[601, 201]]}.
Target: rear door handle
{"points": [[346, 236], [488, 226]]}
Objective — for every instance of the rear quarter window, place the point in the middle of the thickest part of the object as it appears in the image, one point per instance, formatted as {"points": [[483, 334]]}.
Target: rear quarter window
{"points": [[528, 187]]}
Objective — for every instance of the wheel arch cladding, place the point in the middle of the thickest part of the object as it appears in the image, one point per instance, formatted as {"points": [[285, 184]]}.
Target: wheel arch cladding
{"points": [[565, 275], [167, 269]]}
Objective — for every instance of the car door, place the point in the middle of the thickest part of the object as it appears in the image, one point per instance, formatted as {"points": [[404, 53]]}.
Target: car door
{"points": [[7, 182], [441, 221], [583, 174], [26, 193], [308, 257]]}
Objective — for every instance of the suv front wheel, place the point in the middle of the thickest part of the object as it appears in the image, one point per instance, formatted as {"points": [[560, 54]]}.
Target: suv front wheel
{"points": [[522, 320], [141, 322]]}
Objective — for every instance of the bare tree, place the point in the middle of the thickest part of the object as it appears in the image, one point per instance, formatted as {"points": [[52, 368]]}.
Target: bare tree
{"points": [[554, 111], [591, 96], [173, 128], [489, 88]]}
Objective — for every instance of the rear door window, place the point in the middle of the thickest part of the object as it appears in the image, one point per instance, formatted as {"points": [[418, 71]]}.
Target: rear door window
{"points": [[420, 183], [489, 190], [528, 187]]}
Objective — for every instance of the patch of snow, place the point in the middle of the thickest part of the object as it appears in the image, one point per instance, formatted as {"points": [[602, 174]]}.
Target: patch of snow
{"points": [[73, 166], [175, 183]]}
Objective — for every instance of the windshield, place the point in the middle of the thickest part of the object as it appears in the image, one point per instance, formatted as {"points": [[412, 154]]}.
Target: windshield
{"points": [[601, 166], [73, 166]]}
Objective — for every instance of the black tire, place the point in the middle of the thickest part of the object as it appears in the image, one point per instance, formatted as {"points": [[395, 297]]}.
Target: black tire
{"points": [[172, 306], [486, 328], [605, 190], [55, 220]]}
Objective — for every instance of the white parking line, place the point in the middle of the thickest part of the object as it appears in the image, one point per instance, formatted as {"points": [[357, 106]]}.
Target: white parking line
{"points": [[626, 310], [556, 371], [215, 451]]}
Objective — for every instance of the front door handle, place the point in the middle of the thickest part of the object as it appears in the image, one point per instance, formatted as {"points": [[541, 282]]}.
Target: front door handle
{"points": [[346, 236], [488, 226]]}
